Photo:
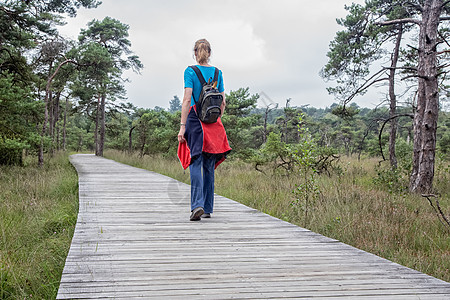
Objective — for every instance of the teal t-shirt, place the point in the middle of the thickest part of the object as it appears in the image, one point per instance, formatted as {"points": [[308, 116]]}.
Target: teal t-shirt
{"points": [[191, 80]]}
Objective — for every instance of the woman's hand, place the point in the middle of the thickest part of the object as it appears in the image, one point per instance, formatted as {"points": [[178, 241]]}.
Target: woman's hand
{"points": [[184, 113], [181, 138]]}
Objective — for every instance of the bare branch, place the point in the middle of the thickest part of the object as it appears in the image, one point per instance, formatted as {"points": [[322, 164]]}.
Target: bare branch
{"points": [[366, 85], [399, 21], [401, 68], [441, 73], [444, 66], [410, 76], [438, 211], [443, 39], [412, 47]]}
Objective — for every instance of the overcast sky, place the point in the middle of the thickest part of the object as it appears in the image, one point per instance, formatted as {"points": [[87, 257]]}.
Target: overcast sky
{"points": [[274, 47]]}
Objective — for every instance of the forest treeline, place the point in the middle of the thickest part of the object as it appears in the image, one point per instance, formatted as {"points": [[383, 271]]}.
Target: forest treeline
{"points": [[249, 129], [40, 71]]}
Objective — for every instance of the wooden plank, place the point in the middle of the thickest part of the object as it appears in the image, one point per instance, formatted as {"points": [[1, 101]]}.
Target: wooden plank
{"points": [[133, 239]]}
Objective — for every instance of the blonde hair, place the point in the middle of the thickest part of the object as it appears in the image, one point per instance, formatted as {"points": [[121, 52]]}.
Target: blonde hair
{"points": [[202, 51]]}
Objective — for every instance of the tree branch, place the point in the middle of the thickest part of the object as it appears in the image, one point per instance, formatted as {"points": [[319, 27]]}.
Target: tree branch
{"points": [[399, 21], [401, 68], [412, 47], [49, 81], [366, 85], [442, 52], [443, 39], [441, 73], [438, 210]]}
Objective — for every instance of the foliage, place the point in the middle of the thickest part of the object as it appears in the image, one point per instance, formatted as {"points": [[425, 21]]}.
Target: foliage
{"points": [[273, 154], [360, 44], [113, 36], [370, 30], [80, 133], [239, 121], [25, 26], [443, 134], [346, 113], [390, 179], [18, 116], [305, 156], [157, 132], [175, 104]]}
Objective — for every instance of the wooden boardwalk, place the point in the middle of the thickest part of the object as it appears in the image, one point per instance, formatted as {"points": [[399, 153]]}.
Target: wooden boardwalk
{"points": [[133, 239]]}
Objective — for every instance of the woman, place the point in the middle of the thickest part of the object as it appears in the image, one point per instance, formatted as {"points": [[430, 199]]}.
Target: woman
{"points": [[201, 146]]}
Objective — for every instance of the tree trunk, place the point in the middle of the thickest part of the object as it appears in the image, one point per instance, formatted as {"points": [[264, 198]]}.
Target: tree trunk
{"points": [[58, 146], [143, 140], [426, 115], [51, 108], [130, 140], [44, 130], [101, 143], [265, 125], [44, 126], [64, 125], [80, 143], [97, 119], [54, 118], [56, 110], [393, 100]]}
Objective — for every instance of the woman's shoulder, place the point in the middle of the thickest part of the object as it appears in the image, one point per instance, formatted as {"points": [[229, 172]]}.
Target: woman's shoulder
{"points": [[189, 71]]}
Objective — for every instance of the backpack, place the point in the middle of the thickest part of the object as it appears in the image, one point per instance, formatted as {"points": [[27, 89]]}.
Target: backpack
{"points": [[208, 105]]}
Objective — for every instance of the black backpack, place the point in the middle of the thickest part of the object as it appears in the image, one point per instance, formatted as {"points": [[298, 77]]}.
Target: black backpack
{"points": [[210, 100]]}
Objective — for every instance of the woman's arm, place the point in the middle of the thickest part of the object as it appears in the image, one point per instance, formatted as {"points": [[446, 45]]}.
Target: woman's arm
{"points": [[184, 113]]}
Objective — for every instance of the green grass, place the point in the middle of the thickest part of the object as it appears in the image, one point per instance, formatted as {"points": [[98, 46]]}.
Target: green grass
{"points": [[38, 213], [374, 215]]}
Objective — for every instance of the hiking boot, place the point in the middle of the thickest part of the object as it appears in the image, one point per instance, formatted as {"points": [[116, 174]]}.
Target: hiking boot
{"points": [[196, 214], [206, 215]]}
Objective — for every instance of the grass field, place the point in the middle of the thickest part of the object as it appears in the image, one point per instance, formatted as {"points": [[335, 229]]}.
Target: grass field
{"points": [[356, 206], [38, 212]]}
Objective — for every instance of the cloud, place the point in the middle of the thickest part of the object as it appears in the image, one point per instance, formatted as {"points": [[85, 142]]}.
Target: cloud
{"points": [[277, 47]]}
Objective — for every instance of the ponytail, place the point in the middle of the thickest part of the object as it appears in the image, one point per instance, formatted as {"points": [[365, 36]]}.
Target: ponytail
{"points": [[202, 50]]}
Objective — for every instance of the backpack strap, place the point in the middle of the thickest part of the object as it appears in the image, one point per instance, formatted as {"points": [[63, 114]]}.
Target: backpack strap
{"points": [[216, 74], [199, 75]]}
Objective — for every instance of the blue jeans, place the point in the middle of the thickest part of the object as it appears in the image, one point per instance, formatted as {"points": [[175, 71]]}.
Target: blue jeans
{"points": [[202, 185]]}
